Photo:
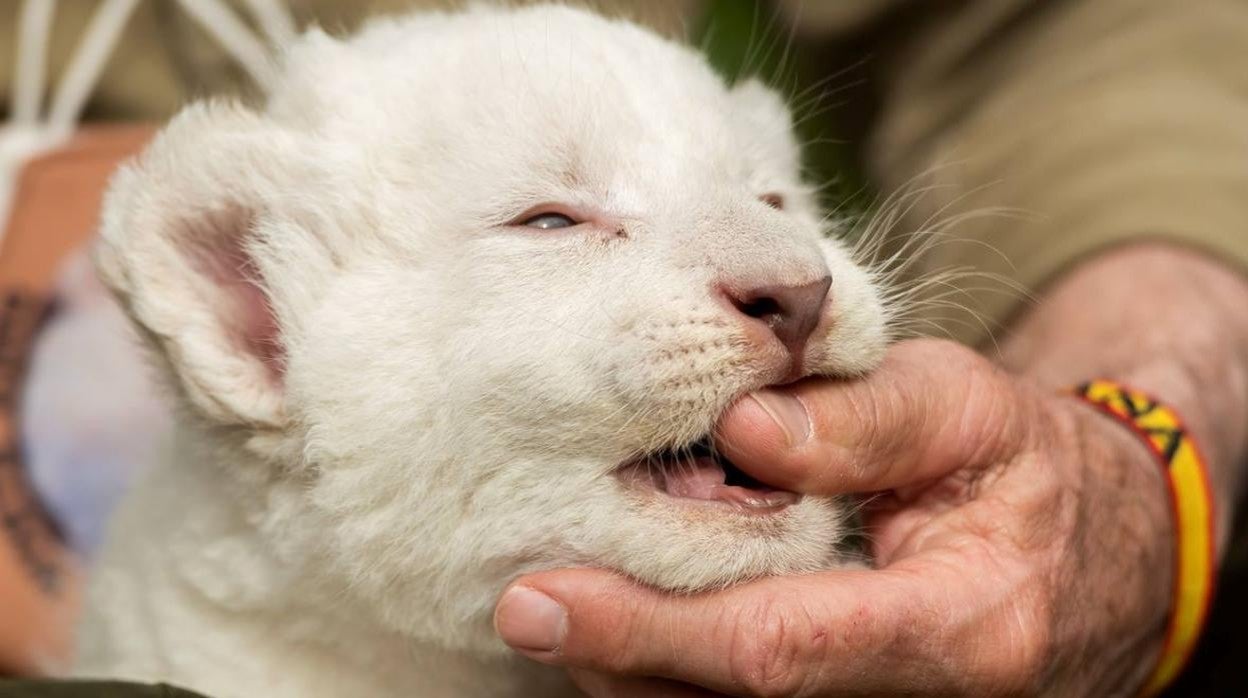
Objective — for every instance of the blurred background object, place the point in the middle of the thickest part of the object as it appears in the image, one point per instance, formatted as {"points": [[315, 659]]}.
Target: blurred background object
{"points": [[54, 209]]}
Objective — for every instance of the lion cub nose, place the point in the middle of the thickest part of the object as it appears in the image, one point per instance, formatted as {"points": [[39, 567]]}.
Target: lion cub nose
{"points": [[791, 313]]}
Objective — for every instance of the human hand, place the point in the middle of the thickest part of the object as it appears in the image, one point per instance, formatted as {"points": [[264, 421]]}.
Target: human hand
{"points": [[1023, 545]]}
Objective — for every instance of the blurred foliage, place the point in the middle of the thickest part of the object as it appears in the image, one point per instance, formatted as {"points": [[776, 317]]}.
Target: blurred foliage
{"points": [[748, 38]]}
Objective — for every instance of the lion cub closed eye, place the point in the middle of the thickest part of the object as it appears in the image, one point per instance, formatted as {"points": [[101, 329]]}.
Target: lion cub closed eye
{"points": [[452, 306]]}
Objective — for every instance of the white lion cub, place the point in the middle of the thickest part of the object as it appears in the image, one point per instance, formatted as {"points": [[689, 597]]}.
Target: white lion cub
{"points": [[460, 302]]}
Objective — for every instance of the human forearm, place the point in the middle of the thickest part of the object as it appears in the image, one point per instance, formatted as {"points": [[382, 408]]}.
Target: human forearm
{"points": [[1161, 319]]}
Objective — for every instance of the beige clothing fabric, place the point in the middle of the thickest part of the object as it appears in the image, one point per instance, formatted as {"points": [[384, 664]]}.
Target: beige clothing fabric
{"points": [[1097, 122], [1094, 122]]}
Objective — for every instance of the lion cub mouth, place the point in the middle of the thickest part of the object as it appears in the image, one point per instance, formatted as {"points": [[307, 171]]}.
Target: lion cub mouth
{"points": [[698, 475]]}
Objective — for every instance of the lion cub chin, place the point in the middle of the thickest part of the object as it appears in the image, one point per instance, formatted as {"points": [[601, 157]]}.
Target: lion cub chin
{"points": [[462, 300]]}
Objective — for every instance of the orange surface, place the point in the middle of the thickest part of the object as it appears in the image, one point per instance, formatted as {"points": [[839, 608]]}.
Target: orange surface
{"points": [[54, 210]]}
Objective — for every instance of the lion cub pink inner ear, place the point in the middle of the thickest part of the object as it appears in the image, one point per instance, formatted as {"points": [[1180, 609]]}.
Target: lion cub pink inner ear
{"points": [[257, 326], [243, 308]]}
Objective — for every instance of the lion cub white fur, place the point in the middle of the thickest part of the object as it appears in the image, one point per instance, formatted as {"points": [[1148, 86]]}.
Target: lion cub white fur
{"points": [[392, 402]]}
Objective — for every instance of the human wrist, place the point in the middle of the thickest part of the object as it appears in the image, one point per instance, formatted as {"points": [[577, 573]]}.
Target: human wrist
{"points": [[1130, 521], [1167, 322], [1159, 319]]}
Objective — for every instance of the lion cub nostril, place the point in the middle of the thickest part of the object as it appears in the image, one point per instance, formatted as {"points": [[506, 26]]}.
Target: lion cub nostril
{"points": [[790, 312], [762, 308]]}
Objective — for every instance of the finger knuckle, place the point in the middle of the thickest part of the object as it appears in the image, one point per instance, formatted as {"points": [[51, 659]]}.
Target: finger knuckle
{"points": [[866, 410], [772, 650], [625, 654], [958, 359], [988, 413]]}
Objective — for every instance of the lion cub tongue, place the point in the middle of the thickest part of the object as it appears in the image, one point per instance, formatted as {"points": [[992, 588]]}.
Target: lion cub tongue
{"points": [[698, 477], [703, 478]]}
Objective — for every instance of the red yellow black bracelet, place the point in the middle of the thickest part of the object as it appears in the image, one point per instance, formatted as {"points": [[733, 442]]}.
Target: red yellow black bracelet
{"points": [[1191, 502]]}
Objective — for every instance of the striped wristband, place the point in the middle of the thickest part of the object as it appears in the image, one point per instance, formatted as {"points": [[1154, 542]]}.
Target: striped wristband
{"points": [[1191, 503]]}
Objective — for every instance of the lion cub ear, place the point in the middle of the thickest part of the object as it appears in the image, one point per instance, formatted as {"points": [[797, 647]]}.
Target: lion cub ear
{"points": [[765, 116], [184, 246]]}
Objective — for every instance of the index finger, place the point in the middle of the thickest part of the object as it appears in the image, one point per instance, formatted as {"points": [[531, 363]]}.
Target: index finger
{"points": [[930, 408]]}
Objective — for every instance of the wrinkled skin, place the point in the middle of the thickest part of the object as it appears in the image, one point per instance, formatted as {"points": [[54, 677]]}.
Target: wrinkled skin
{"points": [[1023, 541]]}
